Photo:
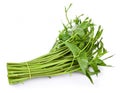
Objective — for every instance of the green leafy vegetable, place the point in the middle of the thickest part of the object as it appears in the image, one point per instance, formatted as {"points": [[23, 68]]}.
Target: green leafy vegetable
{"points": [[77, 49]]}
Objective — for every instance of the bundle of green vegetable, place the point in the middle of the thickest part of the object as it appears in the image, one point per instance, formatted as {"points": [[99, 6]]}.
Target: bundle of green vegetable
{"points": [[77, 49]]}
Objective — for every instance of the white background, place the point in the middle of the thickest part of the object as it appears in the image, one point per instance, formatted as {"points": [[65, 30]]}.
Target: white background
{"points": [[28, 29]]}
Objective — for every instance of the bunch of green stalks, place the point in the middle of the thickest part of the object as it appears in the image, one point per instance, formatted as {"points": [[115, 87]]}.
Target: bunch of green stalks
{"points": [[78, 48]]}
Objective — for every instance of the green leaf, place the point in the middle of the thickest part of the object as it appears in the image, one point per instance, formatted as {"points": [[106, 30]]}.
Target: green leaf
{"points": [[83, 62], [92, 73], [79, 31], [100, 62], [82, 58], [93, 64], [76, 20], [98, 34], [101, 50], [88, 75], [84, 25], [64, 35], [104, 51], [73, 48]]}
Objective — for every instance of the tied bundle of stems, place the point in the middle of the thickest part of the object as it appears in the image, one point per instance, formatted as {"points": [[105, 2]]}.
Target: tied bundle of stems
{"points": [[77, 49]]}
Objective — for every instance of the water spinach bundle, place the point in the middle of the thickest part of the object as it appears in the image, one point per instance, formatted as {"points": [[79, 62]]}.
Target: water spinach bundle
{"points": [[78, 48]]}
